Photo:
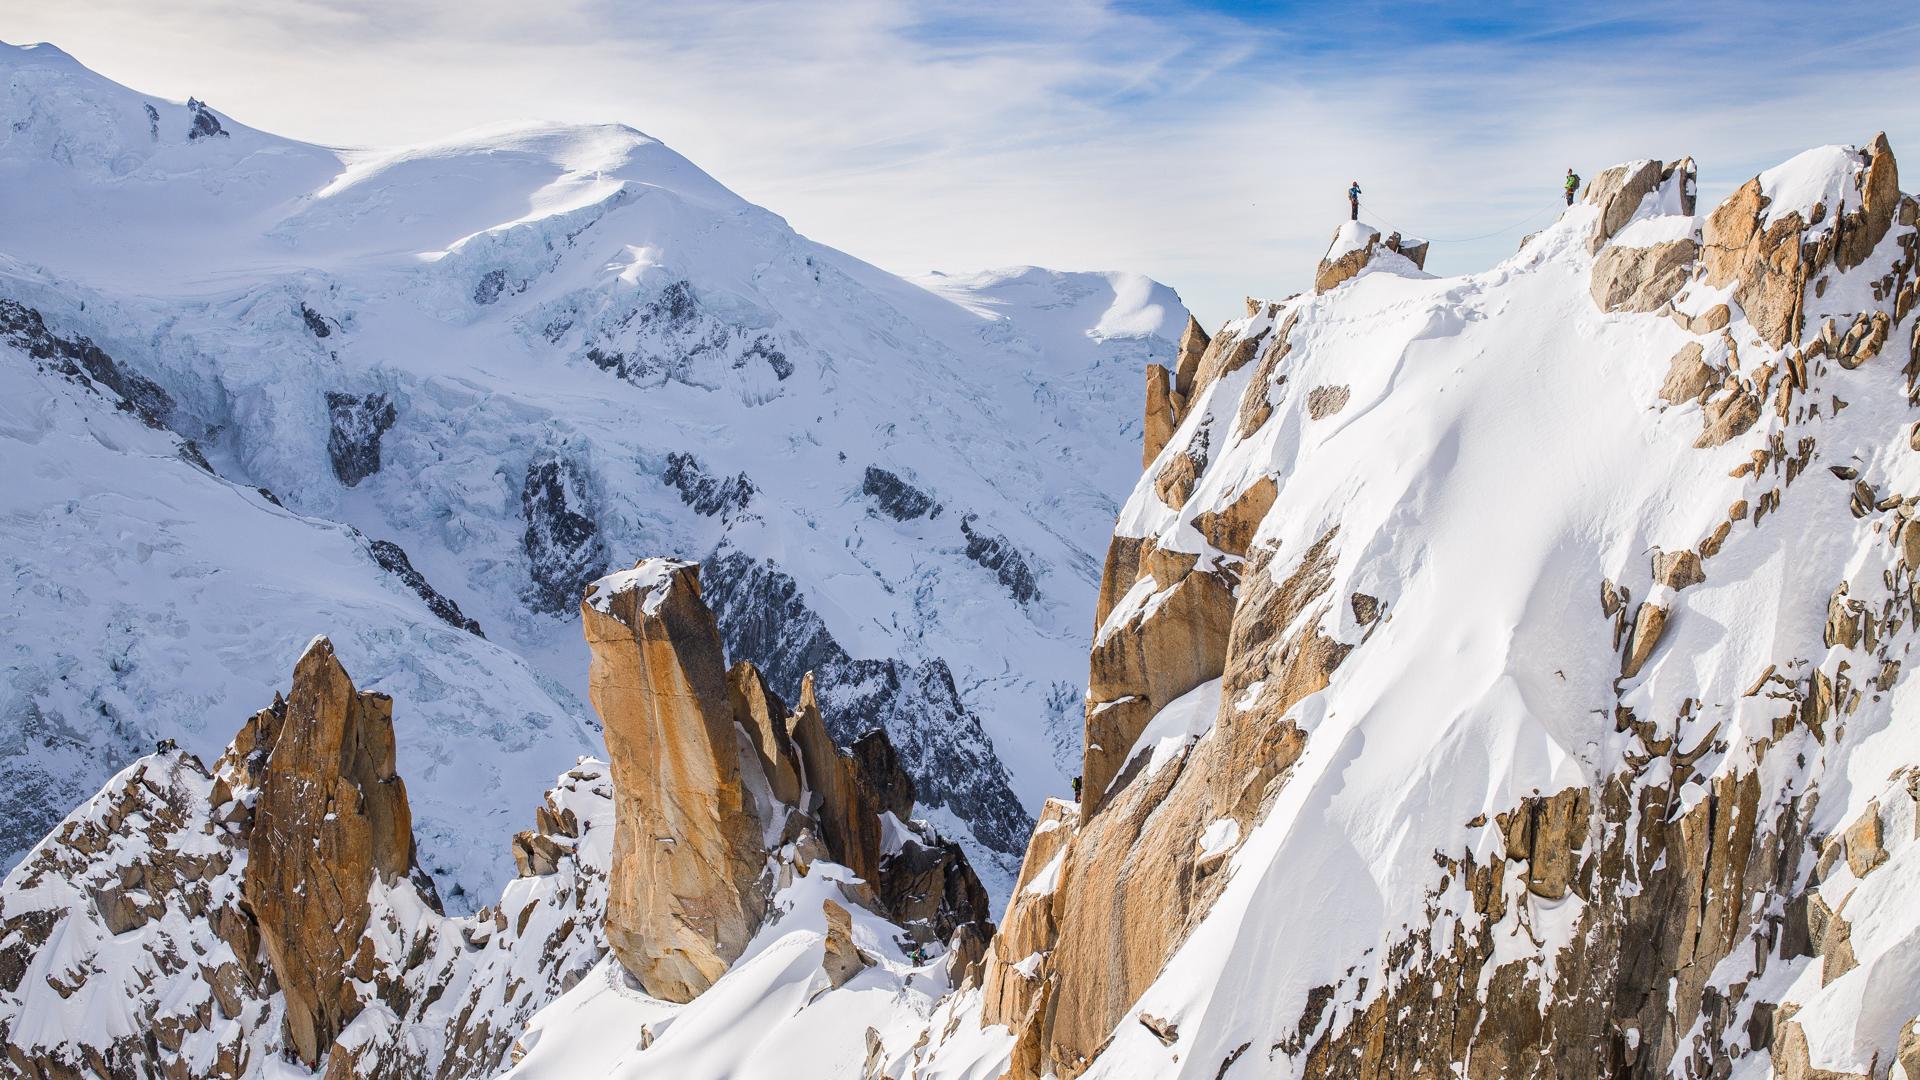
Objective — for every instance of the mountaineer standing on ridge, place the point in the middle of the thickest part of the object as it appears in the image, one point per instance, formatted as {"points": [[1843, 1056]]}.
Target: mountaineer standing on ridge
{"points": [[1573, 185], [1353, 199]]}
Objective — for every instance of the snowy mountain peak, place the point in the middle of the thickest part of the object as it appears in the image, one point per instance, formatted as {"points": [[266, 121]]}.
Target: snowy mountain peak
{"points": [[405, 397]]}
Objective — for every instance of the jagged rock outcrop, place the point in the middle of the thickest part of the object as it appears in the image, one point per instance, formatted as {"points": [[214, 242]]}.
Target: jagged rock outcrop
{"points": [[1771, 258], [330, 819], [278, 919], [1641, 278], [393, 559], [356, 423], [764, 618], [1689, 376], [205, 124], [1355, 245], [1159, 421], [842, 959], [1617, 193], [317, 324], [708, 495], [562, 541], [1170, 640], [998, 554], [189, 923], [895, 497], [693, 750], [80, 360], [653, 338], [1186, 366], [688, 886]]}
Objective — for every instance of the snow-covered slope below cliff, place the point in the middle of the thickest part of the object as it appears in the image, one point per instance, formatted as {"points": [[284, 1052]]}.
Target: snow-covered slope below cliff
{"points": [[519, 358]]}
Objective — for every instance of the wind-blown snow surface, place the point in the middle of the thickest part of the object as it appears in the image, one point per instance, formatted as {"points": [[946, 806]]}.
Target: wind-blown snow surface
{"points": [[522, 358]]}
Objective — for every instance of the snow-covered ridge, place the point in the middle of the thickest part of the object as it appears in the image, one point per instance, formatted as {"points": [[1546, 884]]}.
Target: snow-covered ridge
{"points": [[1560, 615], [647, 578], [489, 370]]}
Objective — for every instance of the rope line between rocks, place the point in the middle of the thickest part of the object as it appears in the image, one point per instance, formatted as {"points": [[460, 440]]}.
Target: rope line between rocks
{"points": [[1532, 219]]}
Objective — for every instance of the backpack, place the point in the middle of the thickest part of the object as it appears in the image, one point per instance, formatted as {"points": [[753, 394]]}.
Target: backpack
{"points": [[1573, 181]]}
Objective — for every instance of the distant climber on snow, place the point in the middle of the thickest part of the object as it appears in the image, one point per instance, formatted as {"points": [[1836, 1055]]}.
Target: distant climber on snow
{"points": [[1353, 199], [1573, 185]]}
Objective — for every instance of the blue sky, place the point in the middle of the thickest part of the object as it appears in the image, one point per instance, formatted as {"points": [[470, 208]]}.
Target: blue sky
{"points": [[1205, 143]]}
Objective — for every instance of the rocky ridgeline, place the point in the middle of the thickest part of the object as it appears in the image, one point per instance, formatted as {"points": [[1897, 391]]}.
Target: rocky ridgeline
{"points": [[267, 914], [1693, 875], [720, 789]]}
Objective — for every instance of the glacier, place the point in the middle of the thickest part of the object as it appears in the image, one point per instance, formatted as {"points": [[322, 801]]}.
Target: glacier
{"points": [[407, 398]]}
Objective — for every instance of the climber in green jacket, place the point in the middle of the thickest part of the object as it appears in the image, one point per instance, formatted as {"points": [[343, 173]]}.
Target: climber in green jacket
{"points": [[1573, 185]]}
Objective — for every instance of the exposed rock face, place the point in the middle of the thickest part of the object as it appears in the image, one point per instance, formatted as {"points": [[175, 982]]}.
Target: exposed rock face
{"points": [[1641, 278], [1147, 656], [1773, 261], [652, 339], [708, 495], [1231, 529], [1355, 245], [205, 124], [355, 424], [1324, 401], [846, 802], [1765, 260], [80, 360], [712, 773], [1618, 192], [1110, 887], [270, 911], [1159, 414], [895, 497], [1688, 376], [1338, 269], [330, 819], [134, 853], [764, 718], [687, 889], [764, 618], [490, 286], [997, 553], [842, 959], [1874, 215], [235, 920], [393, 559], [1193, 345], [1638, 278], [1223, 356], [317, 324], [562, 541]]}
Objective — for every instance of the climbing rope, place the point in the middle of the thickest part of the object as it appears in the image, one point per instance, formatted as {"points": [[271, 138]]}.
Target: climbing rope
{"points": [[1534, 219]]}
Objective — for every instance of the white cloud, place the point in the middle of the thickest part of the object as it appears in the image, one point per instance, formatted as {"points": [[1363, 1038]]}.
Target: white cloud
{"points": [[1208, 151]]}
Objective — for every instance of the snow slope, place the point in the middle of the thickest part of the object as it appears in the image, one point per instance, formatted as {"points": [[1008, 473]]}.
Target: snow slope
{"points": [[526, 356], [1496, 461]]}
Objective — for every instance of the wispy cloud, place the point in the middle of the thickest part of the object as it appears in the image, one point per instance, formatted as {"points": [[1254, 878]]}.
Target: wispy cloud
{"points": [[1206, 143]]}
